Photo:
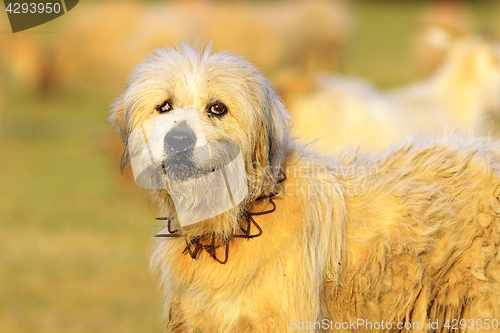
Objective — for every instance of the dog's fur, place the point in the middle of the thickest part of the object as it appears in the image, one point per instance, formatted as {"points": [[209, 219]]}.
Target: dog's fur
{"points": [[410, 235]]}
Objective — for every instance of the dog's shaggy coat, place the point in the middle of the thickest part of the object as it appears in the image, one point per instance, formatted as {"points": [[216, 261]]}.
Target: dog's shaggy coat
{"points": [[411, 235]]}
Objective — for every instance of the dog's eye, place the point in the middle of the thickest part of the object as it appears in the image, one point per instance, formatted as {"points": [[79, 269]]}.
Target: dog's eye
{"points": [[165, 107], [218, 109]]}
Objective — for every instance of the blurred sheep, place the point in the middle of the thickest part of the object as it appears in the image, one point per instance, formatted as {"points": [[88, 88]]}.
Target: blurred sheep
{"points": [[24, 61], [340, 111], [442, 24], [464, 93], [98, 44]]}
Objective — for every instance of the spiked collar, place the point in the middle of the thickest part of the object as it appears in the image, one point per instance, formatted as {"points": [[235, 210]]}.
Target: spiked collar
{"points": [[210, 242]]}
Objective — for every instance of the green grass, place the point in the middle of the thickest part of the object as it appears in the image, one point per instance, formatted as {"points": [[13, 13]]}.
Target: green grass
{"points": [[382, 40], [75, 237]]}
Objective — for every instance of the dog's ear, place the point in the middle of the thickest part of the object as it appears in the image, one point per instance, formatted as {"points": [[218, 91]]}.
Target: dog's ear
{"points": [[272, 143], [278, 127], [118, 119]]}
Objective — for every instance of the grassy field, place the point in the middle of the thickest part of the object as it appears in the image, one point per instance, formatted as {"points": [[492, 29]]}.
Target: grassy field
{"points": [[75, 237]]}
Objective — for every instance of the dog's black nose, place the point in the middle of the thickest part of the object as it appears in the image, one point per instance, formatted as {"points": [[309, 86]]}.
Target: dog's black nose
{"points": [[179, 140]]}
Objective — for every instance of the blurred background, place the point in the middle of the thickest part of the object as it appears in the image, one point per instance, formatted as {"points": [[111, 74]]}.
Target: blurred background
{"points": [[75, 235]]}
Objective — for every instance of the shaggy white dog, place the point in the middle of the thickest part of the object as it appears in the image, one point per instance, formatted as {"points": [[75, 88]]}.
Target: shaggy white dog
{"points": [[407, 241]]}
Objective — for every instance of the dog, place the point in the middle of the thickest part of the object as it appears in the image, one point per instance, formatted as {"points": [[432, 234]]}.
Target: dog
{"points": [[407, 240]]}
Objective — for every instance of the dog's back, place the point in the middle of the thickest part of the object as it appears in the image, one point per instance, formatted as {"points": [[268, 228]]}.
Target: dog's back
{"points": [[422, 236]]}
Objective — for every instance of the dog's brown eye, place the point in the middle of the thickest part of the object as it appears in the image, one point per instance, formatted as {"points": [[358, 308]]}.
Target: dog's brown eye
{"points": [[218, 109], [165, 107]]}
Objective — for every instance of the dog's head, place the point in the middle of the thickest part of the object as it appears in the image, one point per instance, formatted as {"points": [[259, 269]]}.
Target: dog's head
{"points": [[181, 99]]}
